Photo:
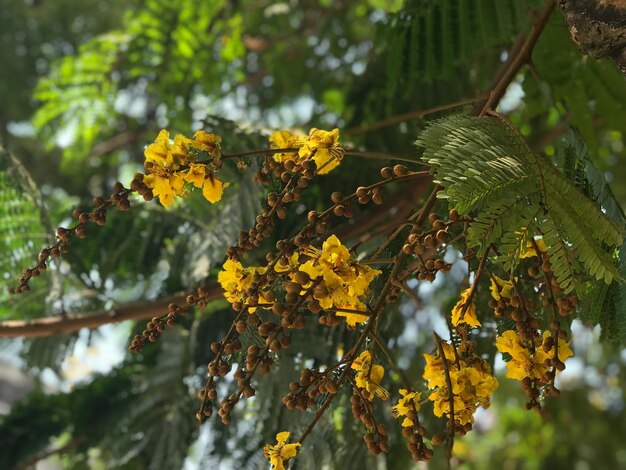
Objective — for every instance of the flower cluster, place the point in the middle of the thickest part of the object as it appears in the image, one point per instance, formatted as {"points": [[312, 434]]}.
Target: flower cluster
{"points": [[369, 376], [277, 454], [471, 383], [340, 282], [532, 360], [407, 407], [320, 146], [237, 281], [170, 164]]}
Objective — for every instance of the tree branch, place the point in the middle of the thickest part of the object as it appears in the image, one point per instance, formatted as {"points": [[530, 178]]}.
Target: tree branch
{"points": [[49, 326], [55, 325], [520, 55]]}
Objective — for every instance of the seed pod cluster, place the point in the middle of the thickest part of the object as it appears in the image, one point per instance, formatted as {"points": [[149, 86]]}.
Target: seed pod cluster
{"points": [[118, 198], [521, 310], [295, 176], [415, 437], [427, 244], [376, 438], [158, 324], [312, 384]]}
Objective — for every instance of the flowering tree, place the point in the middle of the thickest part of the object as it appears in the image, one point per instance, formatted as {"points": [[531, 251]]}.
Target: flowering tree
{"points": [[537, 239]]}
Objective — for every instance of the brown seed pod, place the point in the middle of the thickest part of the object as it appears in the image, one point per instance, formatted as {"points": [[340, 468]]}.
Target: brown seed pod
{"points": [[386, 172], [377, 196], [336, 197], [400, 170], [302, 278], [361, 191]]}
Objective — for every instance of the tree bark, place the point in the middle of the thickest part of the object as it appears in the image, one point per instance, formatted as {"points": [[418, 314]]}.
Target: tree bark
{"points": [[598, 27]]}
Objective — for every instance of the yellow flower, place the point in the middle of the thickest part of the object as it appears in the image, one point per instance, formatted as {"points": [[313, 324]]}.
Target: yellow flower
{"points": [[523, 362], [284, 140], [196, 174], [510, 342], [471, 381], [527, 365], [469, 317], [165, 185], [343, 281], [207, 142], [323, 147], [213, 188], [369, 376], [166, 154], [236, 280], [410, 401], [279, 453], [501, 288], [529, 251]]}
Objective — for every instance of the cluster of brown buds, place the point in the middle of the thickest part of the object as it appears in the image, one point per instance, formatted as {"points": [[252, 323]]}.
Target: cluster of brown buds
{"points": [[295, 176], [158, 324], [376, 438], [415, 435], [118, 198], [520, 310], [553, 296], [303, 393], [138, 185], [425, 246]]}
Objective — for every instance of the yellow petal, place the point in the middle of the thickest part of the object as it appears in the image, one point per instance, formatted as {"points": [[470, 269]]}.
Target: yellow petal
{"points": [[289, 450], [207, 142], [501, 288], [196, 174], [213, 189], [465, 311], [326, 161], [159, 151]]}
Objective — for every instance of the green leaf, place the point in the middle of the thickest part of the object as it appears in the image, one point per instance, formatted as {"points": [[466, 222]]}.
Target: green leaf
{"points": [[488, 172]]}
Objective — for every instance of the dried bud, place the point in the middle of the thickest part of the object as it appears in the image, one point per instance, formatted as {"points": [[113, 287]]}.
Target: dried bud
{"points": [[400, 170]]}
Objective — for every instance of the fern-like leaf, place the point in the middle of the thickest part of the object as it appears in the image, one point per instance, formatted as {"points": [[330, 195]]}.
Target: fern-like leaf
{"points": [[488, 171]]}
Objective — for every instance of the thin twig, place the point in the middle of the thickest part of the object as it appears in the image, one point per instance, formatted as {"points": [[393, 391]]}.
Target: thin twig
{"points": [[392, 361], [410, 116], [446, 371]]}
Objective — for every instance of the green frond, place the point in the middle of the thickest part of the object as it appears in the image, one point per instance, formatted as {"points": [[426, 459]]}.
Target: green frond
{"points": [[477, 160], [487, 171], [440, 38], [583, 209], [78, 94], [25, 227], [597, 260]]}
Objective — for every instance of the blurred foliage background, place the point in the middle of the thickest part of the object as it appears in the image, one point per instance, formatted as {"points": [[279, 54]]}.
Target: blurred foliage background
{"points": [[86, 84]]}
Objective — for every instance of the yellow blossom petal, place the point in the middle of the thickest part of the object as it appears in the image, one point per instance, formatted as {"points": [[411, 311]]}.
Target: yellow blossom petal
{"points": [[279, 453], [510, 342], [207, 142], [196, 174], [501, 288], [283, 140], [159, 152], [529, 251], [323, 147], [469, 316], [213, 189]]}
